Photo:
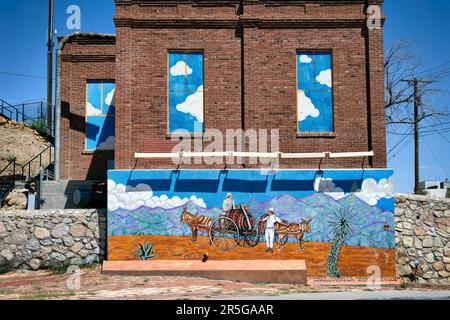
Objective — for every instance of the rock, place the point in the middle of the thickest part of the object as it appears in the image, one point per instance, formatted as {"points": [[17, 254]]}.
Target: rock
{"points": [[444, 274], [408, 241], [41, 233], [76, 247], [60, 230], [17, 199], [2, 227], [35, 264], [8, 255], [58, 256], [438, 266], [68, 241], [427, 242], [447, 252], [46, 242], [419, 231], [407, 226], [33, 245], [77, 230], [83, 253], [429, 257]]}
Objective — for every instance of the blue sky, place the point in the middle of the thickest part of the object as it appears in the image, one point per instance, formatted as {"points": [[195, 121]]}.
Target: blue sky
{"points": [[23, 37]]}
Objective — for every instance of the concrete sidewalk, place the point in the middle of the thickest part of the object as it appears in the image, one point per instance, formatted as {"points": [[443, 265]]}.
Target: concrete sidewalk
{"points": [[358, 295]]}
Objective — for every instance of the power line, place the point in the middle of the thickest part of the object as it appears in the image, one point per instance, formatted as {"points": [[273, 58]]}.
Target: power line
{"points": [[22, 75]]}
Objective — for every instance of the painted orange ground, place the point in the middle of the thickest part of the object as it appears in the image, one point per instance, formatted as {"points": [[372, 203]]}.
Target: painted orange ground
{"points": [[353, 261]]}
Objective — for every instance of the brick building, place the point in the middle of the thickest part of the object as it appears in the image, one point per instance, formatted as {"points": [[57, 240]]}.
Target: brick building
{"points": [[312, 69]]}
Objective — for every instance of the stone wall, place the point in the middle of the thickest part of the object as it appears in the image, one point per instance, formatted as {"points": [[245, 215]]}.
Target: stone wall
{"points": [[32, 240], [422, 228]]}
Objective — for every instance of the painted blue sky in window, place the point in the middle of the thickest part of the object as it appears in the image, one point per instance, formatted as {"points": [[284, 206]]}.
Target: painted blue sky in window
{"points": [[100, 115], [186, 91], [314, 91]]}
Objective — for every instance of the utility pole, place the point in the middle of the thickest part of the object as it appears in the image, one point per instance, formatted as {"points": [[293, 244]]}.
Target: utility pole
{"points": [[417, 104], [50, 66]]}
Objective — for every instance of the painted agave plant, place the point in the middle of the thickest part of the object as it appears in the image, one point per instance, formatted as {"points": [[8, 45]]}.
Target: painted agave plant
{"points": [[342, 224], [145, 251]]}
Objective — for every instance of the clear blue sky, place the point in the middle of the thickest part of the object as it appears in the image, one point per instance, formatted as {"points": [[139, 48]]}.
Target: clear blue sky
{"points": [[23, 51]]}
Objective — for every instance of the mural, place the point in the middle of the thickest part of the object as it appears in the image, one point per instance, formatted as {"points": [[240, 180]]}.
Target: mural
{"points": [[314, 91], [339, 221], [100, 115], [185, 91]]}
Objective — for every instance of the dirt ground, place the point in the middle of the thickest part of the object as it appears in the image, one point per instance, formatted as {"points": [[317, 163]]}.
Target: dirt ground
{"points": [[44, 285], [353, 261]]}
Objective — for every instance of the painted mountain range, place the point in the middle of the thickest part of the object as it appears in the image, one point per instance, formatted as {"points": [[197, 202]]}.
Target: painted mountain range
{"points": [[368, 222]]}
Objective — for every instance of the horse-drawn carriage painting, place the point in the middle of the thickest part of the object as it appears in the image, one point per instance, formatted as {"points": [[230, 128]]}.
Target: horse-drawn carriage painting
{"points": [[184, 214]]}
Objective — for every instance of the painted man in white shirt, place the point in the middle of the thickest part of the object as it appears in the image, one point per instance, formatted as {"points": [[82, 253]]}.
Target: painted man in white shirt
{"points": [[270, 221]]}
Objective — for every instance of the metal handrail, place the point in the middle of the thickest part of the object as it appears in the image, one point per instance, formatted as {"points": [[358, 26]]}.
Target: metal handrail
{"points": [[12, 112], [10, 182], [28, 164]]}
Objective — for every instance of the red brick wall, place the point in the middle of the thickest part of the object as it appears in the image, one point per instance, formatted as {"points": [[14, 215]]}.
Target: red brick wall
{"points": [[262, 86], [84, 58], [272, 33]]}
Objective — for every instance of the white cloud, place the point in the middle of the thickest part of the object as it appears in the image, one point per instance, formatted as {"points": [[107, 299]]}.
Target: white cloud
{"points": [[108, 144], [180, 69], [132, 198], [91, 111], [305, 59], [324, 78], [305, 107], [193, 105], [110, 97], [371, 191], [327, 186]]}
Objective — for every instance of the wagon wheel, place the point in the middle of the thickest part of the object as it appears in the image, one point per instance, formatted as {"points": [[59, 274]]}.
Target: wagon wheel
{"points": [[221, 230], [252, 240]]}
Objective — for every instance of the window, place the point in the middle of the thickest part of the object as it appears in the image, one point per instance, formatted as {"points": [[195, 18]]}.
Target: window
{"points": [[314, 91], [100, 115], [185, 91]]}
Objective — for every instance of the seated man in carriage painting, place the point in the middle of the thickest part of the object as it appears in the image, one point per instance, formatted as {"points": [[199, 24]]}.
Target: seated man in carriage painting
{"points": [[230, 207]]}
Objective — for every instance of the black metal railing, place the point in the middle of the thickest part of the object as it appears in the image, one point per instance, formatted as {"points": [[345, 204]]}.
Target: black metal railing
{"points": [[7, 180], [27, 174], [33, 114]]}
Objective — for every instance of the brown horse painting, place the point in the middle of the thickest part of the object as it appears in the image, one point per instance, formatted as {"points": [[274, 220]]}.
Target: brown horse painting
{"points": [[196, 223], [293, 230], [289, 230]]}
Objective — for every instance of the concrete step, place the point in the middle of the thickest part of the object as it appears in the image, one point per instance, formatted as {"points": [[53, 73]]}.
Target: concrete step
{"points": [[254, 271]]}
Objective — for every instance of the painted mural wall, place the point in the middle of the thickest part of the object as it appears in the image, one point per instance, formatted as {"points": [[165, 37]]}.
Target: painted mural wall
{"points": [[340, 221]]}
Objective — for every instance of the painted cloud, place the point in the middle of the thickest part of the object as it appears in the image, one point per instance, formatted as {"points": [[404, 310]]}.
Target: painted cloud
{"points": [[324, 78], [193, 105], [305, 58], [132, 198], [371, 191], [305, 107], [92, 111], [110, 97], [108, 144], [326, 185], [180, 69]]}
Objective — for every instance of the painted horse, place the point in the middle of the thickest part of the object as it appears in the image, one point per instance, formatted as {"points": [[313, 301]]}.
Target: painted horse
{"points": [[196, 223], [288, 230], [293, 230]]}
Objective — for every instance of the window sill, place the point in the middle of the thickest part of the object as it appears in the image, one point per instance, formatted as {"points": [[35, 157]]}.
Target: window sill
{"points": [[91, 152], [201, 136], [328, 135]]}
